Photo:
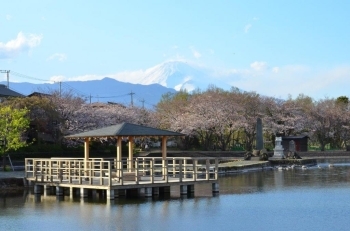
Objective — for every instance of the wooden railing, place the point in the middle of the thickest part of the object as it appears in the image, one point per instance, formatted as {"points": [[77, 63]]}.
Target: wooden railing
{"points": [[107, 172]]}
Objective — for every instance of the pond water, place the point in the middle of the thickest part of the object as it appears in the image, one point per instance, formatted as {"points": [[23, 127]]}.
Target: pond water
{"points": [[317, 198]]}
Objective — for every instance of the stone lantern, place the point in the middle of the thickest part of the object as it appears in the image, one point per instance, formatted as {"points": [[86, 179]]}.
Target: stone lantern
{"points": [[278, 150]]}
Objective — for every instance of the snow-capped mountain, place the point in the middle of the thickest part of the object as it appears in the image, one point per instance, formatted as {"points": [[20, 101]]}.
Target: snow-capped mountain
{"points": [[181, 75]]}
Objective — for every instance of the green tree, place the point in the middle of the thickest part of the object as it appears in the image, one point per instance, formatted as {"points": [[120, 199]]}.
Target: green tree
{"points": [[43, 116], [13, 123], [342, 100]]}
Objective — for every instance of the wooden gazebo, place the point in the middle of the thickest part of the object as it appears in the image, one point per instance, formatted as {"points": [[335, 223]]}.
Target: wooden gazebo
{"points": [[118, 132], [149, 174]]}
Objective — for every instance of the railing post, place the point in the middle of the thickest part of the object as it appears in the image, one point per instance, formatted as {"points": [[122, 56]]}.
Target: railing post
{"points": [[165, 170], [41, 170], [51, 171], [180, 170], [70, 169], [121, 172], [25, 168], [44, 173], [174, 167], [152, 170], [80, 171], [101, 171], [60, 171], [128, 164], [137, 170], [109, 174], [143, 164], [207, 169], [216, 168], [195, 163], [35, 170], [91, 168]]}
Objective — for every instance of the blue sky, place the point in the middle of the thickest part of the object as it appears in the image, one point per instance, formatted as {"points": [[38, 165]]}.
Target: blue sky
{"points": [[271, 47]]}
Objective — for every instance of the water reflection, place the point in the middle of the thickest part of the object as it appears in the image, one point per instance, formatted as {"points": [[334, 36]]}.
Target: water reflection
{"points": [[270, 180], [296, 194], [241, 183]]}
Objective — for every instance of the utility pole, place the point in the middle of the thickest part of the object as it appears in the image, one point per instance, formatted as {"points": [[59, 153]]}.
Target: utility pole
{"points": [[132, 101], [143, 103], [8, 76], [60, 88]]}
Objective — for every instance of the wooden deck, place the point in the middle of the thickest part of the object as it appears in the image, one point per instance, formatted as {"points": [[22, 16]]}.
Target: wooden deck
{"points": [[111, 175]]}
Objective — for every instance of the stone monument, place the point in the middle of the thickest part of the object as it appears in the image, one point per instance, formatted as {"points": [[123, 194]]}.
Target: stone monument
{"points": [[259, 135], [291, 152], [278, 150], [292, 146]]}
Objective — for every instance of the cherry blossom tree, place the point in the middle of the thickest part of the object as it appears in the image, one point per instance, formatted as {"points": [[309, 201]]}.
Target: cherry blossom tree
{"points": [[172, 113], [324, 116], [283, 117], [252, 108], [214, 117], [342, 131]]}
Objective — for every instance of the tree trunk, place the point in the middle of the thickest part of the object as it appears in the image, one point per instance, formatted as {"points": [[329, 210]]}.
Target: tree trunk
{"points": [[3, 162], [322, 147]]}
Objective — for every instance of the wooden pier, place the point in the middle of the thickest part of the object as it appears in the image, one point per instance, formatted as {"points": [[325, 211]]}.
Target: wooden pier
{"points": [[151, 176]]}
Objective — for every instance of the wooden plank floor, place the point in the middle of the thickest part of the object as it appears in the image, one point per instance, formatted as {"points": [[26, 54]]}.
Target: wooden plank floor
{"points": [[144, 182]]}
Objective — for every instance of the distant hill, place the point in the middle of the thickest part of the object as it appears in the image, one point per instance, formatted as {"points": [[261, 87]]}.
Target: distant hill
{"points": [[145, 87], [105, 90]]}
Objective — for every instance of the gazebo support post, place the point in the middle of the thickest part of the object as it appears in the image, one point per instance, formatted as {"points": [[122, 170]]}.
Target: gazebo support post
{"points": [[119, 157], [86, 155], [164, 155], [131, 154]]}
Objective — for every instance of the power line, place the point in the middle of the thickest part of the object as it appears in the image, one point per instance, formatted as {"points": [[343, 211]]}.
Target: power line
{"points": [[117, 96], [74, 89], [143, 101], [28, 77]]}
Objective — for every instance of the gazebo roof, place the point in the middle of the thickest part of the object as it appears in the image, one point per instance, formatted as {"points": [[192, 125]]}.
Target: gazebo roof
{"points": [[125, 129]]}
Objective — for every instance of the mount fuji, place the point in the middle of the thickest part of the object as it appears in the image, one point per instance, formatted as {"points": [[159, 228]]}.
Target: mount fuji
{"points": [[138, 87], [181, 75]]}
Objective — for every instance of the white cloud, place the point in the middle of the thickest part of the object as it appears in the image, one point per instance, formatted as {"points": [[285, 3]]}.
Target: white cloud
{"points": [[58, 78], [195, 53], [8, 17], [275, 69], [258, 66], [185, 85], [247, 28], [21, 43], [293, 80], [59, 56]]}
